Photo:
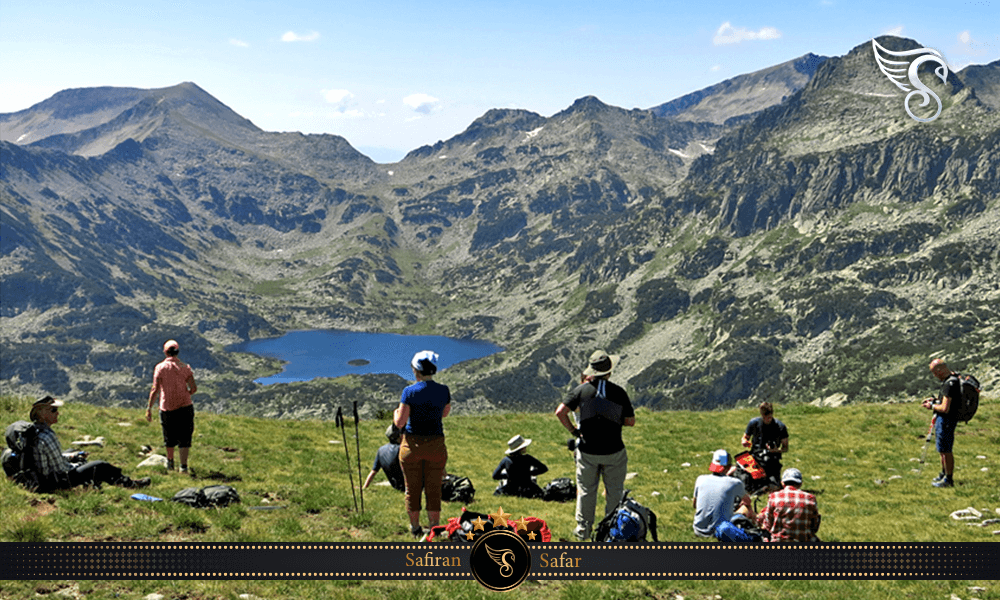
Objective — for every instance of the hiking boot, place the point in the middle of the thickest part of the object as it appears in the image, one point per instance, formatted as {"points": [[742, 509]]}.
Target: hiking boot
{"points": [[184, 470], [416, 530], [170, 465], [944, 483], [941, 477]]}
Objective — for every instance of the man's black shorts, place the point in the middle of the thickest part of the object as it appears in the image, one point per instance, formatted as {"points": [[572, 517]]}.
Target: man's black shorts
{"points": [[178, 426]]}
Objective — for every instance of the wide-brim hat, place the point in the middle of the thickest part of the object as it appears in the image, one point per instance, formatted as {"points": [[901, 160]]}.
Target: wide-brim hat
{"points": [[721, 461], [601, 363], [517, 443]]}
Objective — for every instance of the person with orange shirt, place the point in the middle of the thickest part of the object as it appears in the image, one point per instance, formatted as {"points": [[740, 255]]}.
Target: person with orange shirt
{"points": [[173, 383]]}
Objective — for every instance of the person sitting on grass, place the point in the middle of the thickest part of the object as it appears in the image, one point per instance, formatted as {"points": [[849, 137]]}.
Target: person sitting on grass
{"points": [[55, 472], [791, 514], [387, 459], [717, 495], [517, 471]]}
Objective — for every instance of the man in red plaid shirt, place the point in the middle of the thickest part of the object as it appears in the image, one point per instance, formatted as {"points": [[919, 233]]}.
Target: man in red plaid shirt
{"points": [[791, 514]]}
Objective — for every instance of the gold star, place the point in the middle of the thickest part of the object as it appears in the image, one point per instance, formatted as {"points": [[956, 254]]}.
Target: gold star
{"points": [[470, 536], [521, 523], [532, 535], [500, 518], [479, 523]]}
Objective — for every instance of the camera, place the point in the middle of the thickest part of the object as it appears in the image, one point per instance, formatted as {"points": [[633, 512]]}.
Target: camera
{"points": [[572, 443]]}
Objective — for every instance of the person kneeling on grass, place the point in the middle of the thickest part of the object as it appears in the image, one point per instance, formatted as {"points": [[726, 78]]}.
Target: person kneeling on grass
{"points": [[55, 472], [791, 514]]}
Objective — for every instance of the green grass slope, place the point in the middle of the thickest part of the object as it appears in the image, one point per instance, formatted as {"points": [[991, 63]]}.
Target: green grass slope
{"points": [[861, 458]]}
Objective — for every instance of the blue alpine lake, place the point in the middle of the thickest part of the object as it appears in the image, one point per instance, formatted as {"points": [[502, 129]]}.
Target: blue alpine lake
{"points": [[334, 353]]}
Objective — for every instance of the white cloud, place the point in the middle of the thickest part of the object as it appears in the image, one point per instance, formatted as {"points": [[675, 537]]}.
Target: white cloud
{"points": [[238, 43], [336, 96], [421, 103], [351, 113], [715, 67], [291, 36], [896, 31], [969, 45], [727, 34]]}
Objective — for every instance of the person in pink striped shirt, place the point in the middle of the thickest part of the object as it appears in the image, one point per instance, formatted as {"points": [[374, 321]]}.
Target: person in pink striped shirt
{"points": [[173, 383]]}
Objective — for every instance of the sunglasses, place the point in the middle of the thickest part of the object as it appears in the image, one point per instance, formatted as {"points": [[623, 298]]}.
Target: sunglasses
{"points": [[54, 409]]}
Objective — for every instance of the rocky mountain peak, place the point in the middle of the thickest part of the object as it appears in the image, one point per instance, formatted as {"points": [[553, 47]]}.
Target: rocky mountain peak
{"points": [[744, 95]]}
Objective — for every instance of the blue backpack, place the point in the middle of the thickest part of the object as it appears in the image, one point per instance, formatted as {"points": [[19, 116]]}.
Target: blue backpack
{"points": [[629, 522], [740, 530]]}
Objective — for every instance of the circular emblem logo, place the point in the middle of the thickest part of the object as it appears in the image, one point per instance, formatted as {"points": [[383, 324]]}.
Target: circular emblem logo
{"points": [[500, 560]]}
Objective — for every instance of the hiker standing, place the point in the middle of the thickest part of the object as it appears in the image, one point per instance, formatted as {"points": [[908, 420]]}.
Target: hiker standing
{"points": [[716, 496], [387, 459], [173, 382], [55, 472], [519, 470], [600, 452], [944, 421], [767, 439], [791, 514], [422, 453]]}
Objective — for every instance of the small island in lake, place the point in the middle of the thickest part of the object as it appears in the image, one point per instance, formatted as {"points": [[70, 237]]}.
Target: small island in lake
{"points": [[358, 362]]}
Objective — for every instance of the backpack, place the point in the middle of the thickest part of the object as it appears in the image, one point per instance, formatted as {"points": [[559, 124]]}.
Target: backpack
{"points": [[19, 458], [740, 530], [458, 528], [220, 495], [562, 489], [213, 495], [191, 496], [457, 489], [967, 403], [750, 470], [629, 522]]}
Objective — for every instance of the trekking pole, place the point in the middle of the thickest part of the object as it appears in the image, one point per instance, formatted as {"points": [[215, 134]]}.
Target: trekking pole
{"points": [[927, 440], [357, 441], [340, 423]]}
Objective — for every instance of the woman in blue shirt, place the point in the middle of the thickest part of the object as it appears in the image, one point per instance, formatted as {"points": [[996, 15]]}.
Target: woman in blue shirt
{"points": [[422, 453]]}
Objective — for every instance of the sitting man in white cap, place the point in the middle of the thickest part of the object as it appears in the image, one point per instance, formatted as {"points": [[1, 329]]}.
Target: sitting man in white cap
{"points": [[717, 495], [517, 471], [791, 514]]}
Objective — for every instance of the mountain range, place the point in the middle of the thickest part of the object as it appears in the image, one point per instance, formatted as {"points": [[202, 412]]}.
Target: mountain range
{"points": [[790, 234]]}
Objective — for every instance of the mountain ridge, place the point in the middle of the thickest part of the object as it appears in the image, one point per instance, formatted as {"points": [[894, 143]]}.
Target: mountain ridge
{"points": [[727, 263]]}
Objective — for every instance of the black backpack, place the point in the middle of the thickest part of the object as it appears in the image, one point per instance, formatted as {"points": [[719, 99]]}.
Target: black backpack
{"points": [[965, 406], [629, 522], [457, 489], [465, 525], [213, 495], [220, 495], [191, 496], [562, 489], [19, 457]]}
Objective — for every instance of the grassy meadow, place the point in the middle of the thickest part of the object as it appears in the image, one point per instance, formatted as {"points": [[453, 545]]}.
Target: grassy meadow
{"points": [[861, 459]]}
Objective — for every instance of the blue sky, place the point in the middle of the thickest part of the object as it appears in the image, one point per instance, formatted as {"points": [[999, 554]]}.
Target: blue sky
{"points": [[393, 76]]}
